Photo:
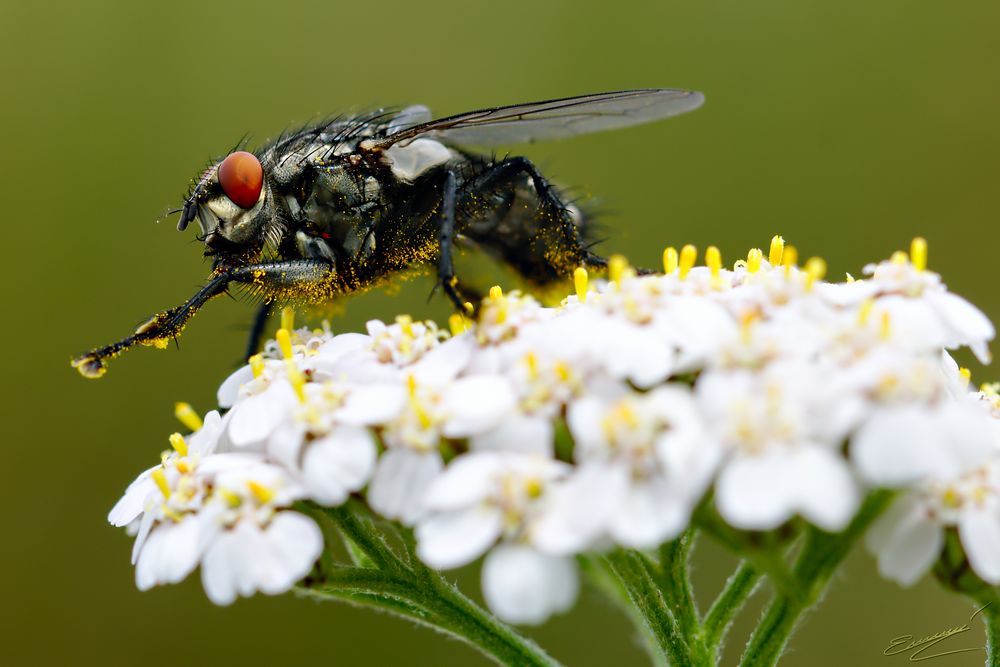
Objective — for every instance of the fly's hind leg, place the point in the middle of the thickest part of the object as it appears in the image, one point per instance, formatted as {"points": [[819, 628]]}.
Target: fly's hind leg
{"points": [[552, 246], [298, 279], [446, 242]]}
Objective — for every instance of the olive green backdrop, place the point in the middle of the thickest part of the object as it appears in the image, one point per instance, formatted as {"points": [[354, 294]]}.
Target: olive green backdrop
{"points": [[848, 126]]}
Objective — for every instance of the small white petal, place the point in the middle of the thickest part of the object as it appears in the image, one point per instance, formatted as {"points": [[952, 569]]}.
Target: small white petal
{"points": [[827, 494], [476, 404], [130, 505], [256, 418], [340, 346], [221, 568], [296, 542], [229, 390], [756, 492], [338, 464], [581, 508], [370, 405], [449, 540], [400, 483], [523, 586], [979, 530], [910, 549], [465, 482], [528, 434], [649, 514]]}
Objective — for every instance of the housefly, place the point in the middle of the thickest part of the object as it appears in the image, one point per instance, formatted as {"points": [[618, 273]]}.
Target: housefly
{"points": [[342, 206]]}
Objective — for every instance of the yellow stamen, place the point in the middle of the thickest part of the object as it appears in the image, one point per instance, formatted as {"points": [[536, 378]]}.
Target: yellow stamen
{"points": [[562, 370], [405, 323], [754, 258], [257, 364], [815, 270], [966, 375], [864, 313], [187, 416], [886, 329], [172, 514], [262, 493], [496, 293], [422, 414], [713, 259], [669, 259], [746, 326], [533, 487], [990, 388], [918, 253], [288, 318], [899, 258], [178, 443], [284, 339], [617, 264], [469, 308], [531, 361], [580, 283], [457, 323], [296, 379], [789, 258], [951, 498], [232, 499], [776, 251], [160, 478], [850, 278], [411, 386], [689, 255]]}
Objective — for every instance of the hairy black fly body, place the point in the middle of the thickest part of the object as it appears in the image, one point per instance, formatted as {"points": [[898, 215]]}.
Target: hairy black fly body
{"points": [[344, 205]]}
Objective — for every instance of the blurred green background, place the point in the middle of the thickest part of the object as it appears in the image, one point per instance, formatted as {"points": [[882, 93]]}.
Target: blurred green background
{"points": [[847, 126]]}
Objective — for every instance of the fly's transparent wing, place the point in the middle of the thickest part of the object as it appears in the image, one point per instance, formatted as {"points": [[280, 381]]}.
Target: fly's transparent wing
{"points": [[553, 119], [411, 116]]}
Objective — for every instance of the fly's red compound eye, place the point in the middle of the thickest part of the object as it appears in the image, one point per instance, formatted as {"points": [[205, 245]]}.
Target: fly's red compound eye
{"points": [[241, 178]]}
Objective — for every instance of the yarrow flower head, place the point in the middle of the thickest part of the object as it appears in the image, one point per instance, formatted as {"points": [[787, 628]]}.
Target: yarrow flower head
{"points": [[530, 435]]}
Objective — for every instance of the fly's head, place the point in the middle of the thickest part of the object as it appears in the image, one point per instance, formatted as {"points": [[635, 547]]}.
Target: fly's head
{"points": [[235, 206]]}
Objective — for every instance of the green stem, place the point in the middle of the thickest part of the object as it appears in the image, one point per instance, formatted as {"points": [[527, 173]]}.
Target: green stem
{"points": [[676, 581], [818, 560], [600, 574], [991, 619], [739, 587], [633, 571], [403, 586]]}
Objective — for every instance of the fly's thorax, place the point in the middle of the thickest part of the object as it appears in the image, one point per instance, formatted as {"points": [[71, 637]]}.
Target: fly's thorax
{"points": [[342, 207]]}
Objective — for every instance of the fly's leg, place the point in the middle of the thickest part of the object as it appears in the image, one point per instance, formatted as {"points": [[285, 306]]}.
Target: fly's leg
{"points": [[446, 241], [555, 237], [298, 279], [257, 330]]}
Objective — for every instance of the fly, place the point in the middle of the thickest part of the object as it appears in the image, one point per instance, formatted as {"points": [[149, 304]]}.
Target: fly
{"points": [[344, 205]]}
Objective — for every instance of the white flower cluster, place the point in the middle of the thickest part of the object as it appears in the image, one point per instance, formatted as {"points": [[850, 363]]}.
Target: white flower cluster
{"points": [[536, 433]]}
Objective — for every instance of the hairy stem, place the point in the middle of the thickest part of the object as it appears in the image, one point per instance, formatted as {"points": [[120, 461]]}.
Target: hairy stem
{"points": [[739, 587], [991, 619], [634, 572], [820, 557], [675, 577], [403, 586]]}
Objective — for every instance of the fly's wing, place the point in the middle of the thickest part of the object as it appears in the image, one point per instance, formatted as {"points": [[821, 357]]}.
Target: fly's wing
{"points": [[552, 119]]}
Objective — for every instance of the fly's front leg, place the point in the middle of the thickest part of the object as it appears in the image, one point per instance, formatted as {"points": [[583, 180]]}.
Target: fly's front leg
{"points": [[299, 279]]}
